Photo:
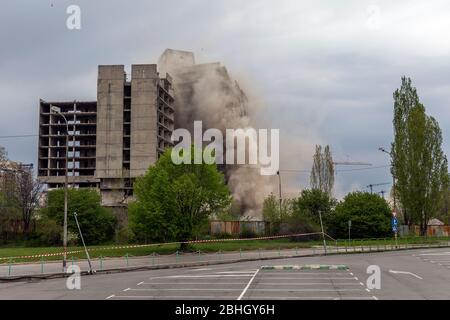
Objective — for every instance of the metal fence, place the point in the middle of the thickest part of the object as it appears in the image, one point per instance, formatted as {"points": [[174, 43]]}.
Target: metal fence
{"points": [[238, 227]]}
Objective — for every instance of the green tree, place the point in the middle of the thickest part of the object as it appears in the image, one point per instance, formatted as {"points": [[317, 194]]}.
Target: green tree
{"points": [[322, 173], [271, 211], [306, 208], [418, 162], [369, 213], [9, 213], [96, 222], [174, 202]]}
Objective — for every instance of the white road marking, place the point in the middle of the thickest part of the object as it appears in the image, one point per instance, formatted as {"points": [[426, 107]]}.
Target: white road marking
{"points": [[236, 272], [184, 289], [172, 297], [127, 289], [205, 276], [307, 284], [306, 290], [140, 283], [310, 278], [248, 285], [192, 283], [361, 284], [374, 298], [406, 272], [111, 296], [202, 269], [435, 254]]}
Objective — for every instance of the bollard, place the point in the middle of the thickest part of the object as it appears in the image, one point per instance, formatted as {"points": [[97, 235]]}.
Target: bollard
{"points": [[9, 267], [153, 259], [279, 252], [42, 265], [220, 255], [126, 258], [259, 252], [72, 260], [101, 263], [199, 255], [240, 253], [296, 251], [177, 256]]}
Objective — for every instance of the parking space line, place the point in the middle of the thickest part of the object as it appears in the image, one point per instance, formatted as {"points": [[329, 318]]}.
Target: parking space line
{"points": [[171, 297], [248, 285], [189, 283], [308, 284], [183, 289], [205, 276], [306, 290]]}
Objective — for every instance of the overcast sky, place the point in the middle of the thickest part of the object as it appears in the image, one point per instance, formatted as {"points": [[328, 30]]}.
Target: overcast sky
{"points": [[325, 70]]}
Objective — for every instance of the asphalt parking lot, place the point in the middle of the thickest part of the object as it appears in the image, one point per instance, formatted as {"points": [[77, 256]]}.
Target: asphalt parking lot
{"points": [[410, 274], [253, 284]]}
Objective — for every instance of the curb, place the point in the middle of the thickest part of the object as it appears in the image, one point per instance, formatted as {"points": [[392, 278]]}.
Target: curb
{"points": [[37, 277], [307, 267]]}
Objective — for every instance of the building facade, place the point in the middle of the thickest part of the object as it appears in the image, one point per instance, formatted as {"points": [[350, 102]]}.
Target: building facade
{"points": [[112, 140]]}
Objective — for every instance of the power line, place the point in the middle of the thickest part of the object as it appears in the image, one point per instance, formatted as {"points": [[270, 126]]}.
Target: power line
{"points": [[19, 136]]}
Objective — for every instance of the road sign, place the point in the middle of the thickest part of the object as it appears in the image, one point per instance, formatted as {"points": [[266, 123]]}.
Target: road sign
{"points": [[394, 223]]}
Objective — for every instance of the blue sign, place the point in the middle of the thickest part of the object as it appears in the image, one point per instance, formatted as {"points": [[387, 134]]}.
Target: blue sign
{"points": [[394, 223]]}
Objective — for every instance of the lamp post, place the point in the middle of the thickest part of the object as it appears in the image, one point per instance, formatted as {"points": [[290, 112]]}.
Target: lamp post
{"points": [[279, 187], [393, 177], [394, 218], [57, 110]]}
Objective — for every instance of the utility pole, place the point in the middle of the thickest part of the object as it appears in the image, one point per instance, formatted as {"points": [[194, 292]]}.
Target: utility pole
{"points": [[91, 271], [279, 187], [393, 178], [66, 184], [323, 233], [393, 192]]}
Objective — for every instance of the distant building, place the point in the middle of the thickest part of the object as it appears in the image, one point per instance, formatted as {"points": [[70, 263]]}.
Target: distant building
{"points": [[116, 138], [112, 140]]}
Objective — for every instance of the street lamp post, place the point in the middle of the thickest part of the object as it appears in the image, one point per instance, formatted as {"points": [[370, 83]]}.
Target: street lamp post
{"points": [[393, 177], [393, 186], [57, 110], [279, 187]]}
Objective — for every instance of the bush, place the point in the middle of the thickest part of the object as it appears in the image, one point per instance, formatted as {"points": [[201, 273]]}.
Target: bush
{"points": [[124, 235], [370, 215], [305, 215], [48, 232], [96, 222]]}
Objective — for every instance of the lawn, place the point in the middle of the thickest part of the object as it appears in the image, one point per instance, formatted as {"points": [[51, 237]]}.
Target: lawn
{"points": [[116, 251], [162, 249]]}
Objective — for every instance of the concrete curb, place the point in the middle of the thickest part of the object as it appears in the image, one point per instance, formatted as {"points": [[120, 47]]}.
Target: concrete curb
{"points": [[307, 267]]}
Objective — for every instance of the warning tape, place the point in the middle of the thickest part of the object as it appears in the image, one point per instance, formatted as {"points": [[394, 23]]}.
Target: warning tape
{"points": [[43, 255]]}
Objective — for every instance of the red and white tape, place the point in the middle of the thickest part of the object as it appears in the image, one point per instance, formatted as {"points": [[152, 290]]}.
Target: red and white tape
{"points": [[43, 255]]}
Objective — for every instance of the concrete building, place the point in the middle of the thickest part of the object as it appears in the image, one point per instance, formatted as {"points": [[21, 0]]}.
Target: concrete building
{"points": [[112, 140]]}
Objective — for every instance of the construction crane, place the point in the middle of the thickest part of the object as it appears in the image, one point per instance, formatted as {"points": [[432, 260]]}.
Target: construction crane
{"points": [[350, 163], [377, 185]]}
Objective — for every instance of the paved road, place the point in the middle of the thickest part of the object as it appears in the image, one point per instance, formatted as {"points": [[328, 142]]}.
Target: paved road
{"points": [[411, 274]]}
